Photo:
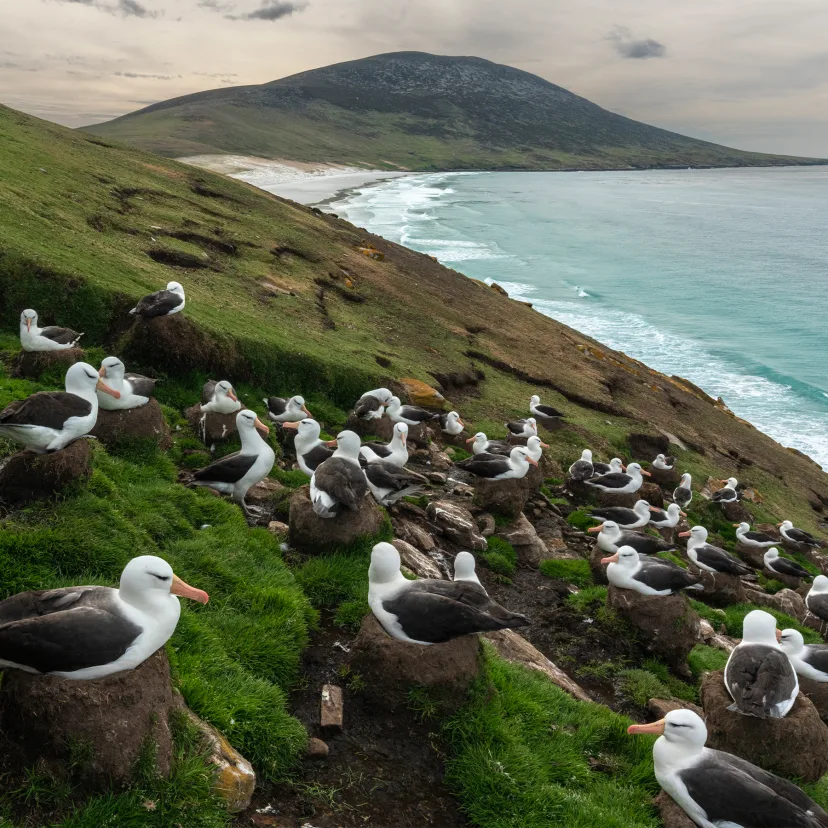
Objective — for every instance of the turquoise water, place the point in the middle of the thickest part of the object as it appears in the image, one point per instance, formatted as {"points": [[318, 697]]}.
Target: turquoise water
{"points": [[720, 276]]}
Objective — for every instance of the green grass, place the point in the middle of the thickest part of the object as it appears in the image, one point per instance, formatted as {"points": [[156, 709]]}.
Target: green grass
{"points": [[580, 519], [733, 616], [499, 556], [704, 659], [573, 571], [589, 599]]}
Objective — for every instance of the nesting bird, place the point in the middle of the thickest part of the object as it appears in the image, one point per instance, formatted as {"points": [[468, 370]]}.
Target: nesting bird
{"points": [[134, 389], [543, 412], [626, 518], [627, 482], [282, 410], [784, 566], [809, 660], [666, 519], [310, 449], [395, 452], [626, 569], [500, 468], [683, 493], [409, 414], [371, 405], [161, 303], [219, 398], [451, 423], [800, 536], [817, 598], [523, 428], [728, 494], [339, 483], [50, 338], [710, 558], [583, 468], [611, 538], [756, 540]]}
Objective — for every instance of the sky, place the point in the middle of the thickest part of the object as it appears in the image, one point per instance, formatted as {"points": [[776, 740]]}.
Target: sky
{"points": [[747, 73]]}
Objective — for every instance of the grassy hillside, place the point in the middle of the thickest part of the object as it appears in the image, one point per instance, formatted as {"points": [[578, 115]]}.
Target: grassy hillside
{"points": [[415, 111]]}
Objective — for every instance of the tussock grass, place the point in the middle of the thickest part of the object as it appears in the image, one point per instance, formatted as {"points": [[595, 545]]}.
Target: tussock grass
{"points": [[499, 556], [572, 570]]}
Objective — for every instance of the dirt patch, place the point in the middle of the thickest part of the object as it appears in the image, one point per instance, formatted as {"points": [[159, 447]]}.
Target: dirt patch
{"points": [[159, 169], [344, 293], [175, 258], [229, 248], [201, 189]]}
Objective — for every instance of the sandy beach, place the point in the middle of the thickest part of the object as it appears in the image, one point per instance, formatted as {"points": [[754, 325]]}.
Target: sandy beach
{"points": [[305, 183]]}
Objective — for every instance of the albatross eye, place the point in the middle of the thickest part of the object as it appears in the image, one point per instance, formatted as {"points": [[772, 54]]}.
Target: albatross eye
{"points": [[160, 577]]}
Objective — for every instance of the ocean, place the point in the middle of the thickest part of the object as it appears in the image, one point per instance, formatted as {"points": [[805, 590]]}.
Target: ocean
{"points": [[719, 276]]}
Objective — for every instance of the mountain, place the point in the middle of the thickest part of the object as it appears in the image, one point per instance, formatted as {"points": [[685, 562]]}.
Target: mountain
{"points": [[412, 110]]}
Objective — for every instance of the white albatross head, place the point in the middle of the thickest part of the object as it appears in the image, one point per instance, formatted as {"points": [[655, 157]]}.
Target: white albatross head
{"points": [[480, 440], [248, 421], [731, 483], [635, 470], [697, 535], [786, 525], [147, 577], [681, 728], [298, 403], [464, 567], [759, 627], [534, 400], [225, 389], [791, 641], [820, 585], [626, 557], [686, 480], [306, 430], [609, 528], [112, 369], [520, 459], [400, 432], [586, 454], [385, 564], [83, 380], [28, 320], [642, 508], [348, 445], [175, 287]]}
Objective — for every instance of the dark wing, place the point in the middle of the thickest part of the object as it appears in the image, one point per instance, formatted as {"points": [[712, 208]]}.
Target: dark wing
{"points": [[276, 405], [229, 469], [547, 411], [497, 447], [40, 602], [601, 468], [758, 678], [659, 516], [801, 536], [581, 470], [759, 537], [50, 409], [387, 476], [516, 428], [366, 406], [619, 514], [438, 611], [317, 455], [380, 449], [420, 415], [818, 605], [485, 468], [725, 494], [721, 561], [787, 567], [614, 480], [159, 303], [343, 481], [817, 656], [63, 336], [731, 796], [208, 391], [645, 544], [141, 385], [682, 495], [661, 575]]}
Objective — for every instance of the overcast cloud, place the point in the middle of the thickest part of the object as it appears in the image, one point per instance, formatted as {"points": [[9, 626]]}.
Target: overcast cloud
{"points": [[752, 75]]}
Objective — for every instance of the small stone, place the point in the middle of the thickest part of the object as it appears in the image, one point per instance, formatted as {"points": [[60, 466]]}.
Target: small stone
{"points": [[317, 749], [264, 491], [437, 477], [332, 709], [439, 459], [276, 527], [463, 490], [456, 523], [415, 535], [420, 564], [530, 549], [487, 525]]}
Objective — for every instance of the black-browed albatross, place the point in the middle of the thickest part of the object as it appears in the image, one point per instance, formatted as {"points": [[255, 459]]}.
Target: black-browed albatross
{"points": [[809, 660], [755, 540], [394, 452], [800, 536], [611, 538], [135, 389], [50, 338], [710, 558], [492, 467], [219, 397], [626, 569], [784, 566], [626, 518], [409, 414], [339, 482], [161, 303], [683, 493], [371, 405], [627, 482], [817, 598], [310, 449], [282, 410], [582, 468]]}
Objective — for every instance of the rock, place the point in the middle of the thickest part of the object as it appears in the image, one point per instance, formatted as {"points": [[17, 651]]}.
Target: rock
{"points": [[814, 623], [498, 289], [265, 491], [463, 490], [316, 749], [438, 478], [310, 533], [751, 555], [210, 426], [392, 667], [666, 479], [486, 524], [556, 548], [41, 717], [648, 446], [33, 364], [817, 692], [144, 423], [599, 571], [667, 626], [796, 746], [28, 476], [414, 534], [613, 499], [382, 427], [786, 600], [651, 492], [721, 589], [533, 480], [518, 650], [276, 527], [711, 485], [331, 709], [530, 549], [503, 497], [420, 564], [456, 523], [736, 512], [235, 778], [672, 814], [439, 460], [421, 394], [661, 707]]}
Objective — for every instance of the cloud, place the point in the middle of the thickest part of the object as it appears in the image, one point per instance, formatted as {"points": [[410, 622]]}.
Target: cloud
{"points": [[128, 8], [635, 48], [271, 11], [216, 5], [142, 75]]}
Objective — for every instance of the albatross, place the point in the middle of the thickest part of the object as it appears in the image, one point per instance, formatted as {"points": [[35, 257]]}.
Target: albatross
{"points": [[626, 569], [219, 398], [282, 410], [710, 558], [50, 338], [758, 675], [394, 452], [339, 483], [88, 632], [633, 518], [800, 536], [371, 405], [611, 538], [51, 420], [543, 412], [817, 598], [161, 303], [683, 493], [409, 414], [135, 389], [522, 428], [784, 566], [310, 449], [728, 494], [614, 466], [582, 469], [451, 423], [809, 660], [500, 468], [663, 463], [237, 473], [666, 519], [430, 611], [627, 482], [717, 789], [756, 540], [465, 568], [389, 482]]}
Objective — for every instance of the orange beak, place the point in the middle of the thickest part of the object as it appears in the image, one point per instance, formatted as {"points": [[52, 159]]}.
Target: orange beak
{"points": [[331, 443], [645, 473], [232, 394], [612, 559], [470, 440], [404, 439], [306, 411], [261, 427], [102, 386], [654, 509], [683, 514], [186, 591], [595, 528], [623, 467], [544, 445], [778, 635], [291, 425], [684, 534], [460, 423], [530, 460], [655, 729], [28, 324], [102, 372], [778, 525], [737, 525]]}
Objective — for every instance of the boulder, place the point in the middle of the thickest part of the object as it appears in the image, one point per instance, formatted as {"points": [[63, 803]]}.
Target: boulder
{"points": [[786, 600], [503, 497], [420, 564], [210, 426], [814, 623], [43, 717], [796, 746], [382, 427], [414, 534], [28, 476], [721, 589], [672, 814], [533, 480], [144, 423], [667, 626], [614, 499], [817, 692], [530, 549], [736, 512], [651, 492], [311, 533], [439, 460], [648, 446], [391, 667], [751, 555], [457, 524], [486, 524], [421, 394], [33, 364], [666, 479]]}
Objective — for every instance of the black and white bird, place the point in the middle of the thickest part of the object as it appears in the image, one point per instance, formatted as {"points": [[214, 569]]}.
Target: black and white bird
{"points": [[430, 611], [817, 598], [51, 420], [809, 660], [500, 468], [710, 558], [755, 540], [663, 463], [50, 338], [522, 428], [613, 467], [784, 566], [583, 468], [800, 536], [465, 568], [339, 482], [282, 410], [666, 518], [626, 518], [683, 493], [394, 452], [611, 538], [310, 449], [219, 398], [543, 412], [88, 632], [481, 444], [237, 473], [451, 423], [161, 303], [758, 675], [389, 482], [408, 414], [534, 447], [720, 790], [371, 405], [728, 494], [627, 482], [135, 389], [626, 569]]}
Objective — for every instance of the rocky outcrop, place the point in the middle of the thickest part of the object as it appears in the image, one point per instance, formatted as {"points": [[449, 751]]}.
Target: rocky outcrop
{"points": [[786, 600], [392, 667], [28, 476], [421, 394], [33, 364], [817, 692], [457, 524], [530, 549], [310, 533], [144, 423], [720, 589], [502, 497], [666, 625], [210, 426], [615, 499], [418, 562], [414, 534]]}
